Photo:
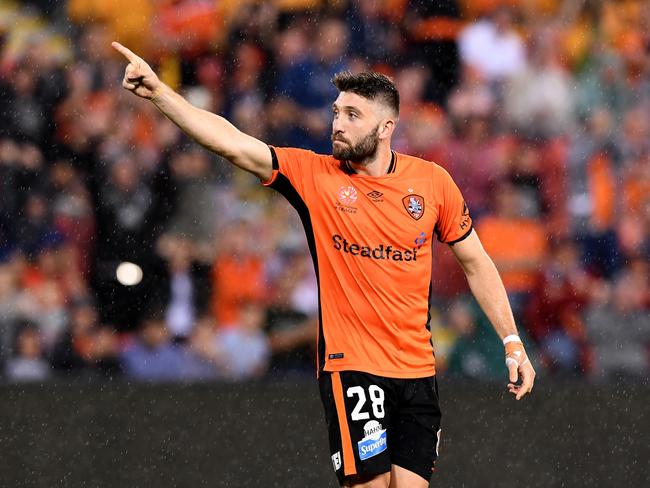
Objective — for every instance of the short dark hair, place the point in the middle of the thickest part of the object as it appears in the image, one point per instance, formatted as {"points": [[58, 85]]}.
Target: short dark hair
{"points": [[370, 85]]}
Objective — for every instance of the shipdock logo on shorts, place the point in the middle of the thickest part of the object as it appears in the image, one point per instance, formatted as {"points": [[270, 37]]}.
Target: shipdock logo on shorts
{"points": [[374, 440]]}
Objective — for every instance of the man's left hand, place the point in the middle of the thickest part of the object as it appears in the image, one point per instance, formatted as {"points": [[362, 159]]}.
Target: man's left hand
{"points": [[519, 366]]}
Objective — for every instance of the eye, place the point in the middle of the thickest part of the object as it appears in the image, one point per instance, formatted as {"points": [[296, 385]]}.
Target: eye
{"points": [[352, 115]]}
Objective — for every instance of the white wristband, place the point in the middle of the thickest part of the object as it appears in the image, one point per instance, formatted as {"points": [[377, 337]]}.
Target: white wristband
{"points": [[511, 338]]}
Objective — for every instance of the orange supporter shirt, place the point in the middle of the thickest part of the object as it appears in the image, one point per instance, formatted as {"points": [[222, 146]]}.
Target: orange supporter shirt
{"points": [[236, 281], [517, 246], [370, 239]]}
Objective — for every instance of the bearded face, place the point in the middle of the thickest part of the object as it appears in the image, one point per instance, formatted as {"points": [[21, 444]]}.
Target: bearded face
{"points": [[364, 149]]}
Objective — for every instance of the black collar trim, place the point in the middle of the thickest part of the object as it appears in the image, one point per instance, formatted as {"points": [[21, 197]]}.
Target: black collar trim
{"points": [[391, 166]]}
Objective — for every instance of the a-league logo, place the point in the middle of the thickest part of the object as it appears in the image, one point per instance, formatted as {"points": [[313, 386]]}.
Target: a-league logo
{"points": [[347, 195]]}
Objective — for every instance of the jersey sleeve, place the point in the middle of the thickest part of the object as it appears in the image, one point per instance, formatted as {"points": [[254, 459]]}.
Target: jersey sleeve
{"points": [[454, 222], [292, 167]]}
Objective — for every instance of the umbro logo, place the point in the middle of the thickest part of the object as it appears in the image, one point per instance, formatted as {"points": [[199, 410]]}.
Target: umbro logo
{"points": [[376, 196]]}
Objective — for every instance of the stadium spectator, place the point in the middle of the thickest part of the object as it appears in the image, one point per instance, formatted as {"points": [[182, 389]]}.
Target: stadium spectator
{"points": [[618, 327], [305, 80], [9, 312], [28, 362], [188, 285], [243, 349], [131, 208], [553, 315], [475, 351], [86, 347], [537, 169], [493, 47], [23, 108], [424, 128], [431, 30], [35, 230], [72, 212], [472, 97], [44, 294], [237, 274], [540, 97], [633, 226], [151, 356], [175, 19], [595, 137], [601, 251], [290, 328], [374, 36], [602, 86], [193, 215], [9, 198], [203, 360], [475, 158], [633, 140], [516, 243], [135, 27]]}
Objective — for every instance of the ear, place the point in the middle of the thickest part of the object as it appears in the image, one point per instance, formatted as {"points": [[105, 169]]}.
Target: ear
{"points": [[386, 128]]}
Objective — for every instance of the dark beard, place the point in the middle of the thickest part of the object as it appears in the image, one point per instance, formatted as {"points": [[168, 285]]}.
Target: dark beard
{"points": [[364, 150]]}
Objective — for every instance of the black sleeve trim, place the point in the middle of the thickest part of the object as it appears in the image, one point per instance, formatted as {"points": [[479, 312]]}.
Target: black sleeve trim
{"points": [[274, 159], [463, 237], [282, 185]]}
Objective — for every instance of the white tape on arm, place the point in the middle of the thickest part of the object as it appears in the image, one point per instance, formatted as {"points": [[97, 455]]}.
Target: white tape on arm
{"points": [[511, 338], [512, 361]]}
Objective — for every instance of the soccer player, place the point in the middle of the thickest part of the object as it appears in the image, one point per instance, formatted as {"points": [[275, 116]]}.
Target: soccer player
{"points": [[370, 215]]}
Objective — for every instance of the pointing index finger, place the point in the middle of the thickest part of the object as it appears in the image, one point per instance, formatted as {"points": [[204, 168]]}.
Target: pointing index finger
{"points": [[125, 51]]}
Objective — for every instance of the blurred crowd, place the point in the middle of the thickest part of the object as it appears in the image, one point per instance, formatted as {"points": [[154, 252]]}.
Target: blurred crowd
{"points": [[539, 109]]}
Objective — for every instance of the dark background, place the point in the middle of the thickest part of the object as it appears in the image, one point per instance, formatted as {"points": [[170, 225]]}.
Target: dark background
{"points": [[273, 435]]}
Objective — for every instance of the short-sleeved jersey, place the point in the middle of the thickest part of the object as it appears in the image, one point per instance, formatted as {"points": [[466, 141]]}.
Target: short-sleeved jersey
{"points": [[370, 239]]}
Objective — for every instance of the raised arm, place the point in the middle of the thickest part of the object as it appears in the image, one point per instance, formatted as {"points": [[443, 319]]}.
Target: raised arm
{"points": [[487, 287], [210, 130]]}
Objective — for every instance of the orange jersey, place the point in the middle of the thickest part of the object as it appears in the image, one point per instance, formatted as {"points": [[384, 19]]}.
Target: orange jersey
{"points": [[370, 239]]}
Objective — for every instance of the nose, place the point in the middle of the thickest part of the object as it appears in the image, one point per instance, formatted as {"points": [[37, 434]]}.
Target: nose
{"points": [[337, 128]]}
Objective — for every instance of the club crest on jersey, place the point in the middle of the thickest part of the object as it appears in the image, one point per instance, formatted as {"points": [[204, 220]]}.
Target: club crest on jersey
{"points": [[414, 205]]}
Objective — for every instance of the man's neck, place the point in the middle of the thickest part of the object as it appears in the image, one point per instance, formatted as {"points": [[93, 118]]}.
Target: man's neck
{"points": [[378, 166]]}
